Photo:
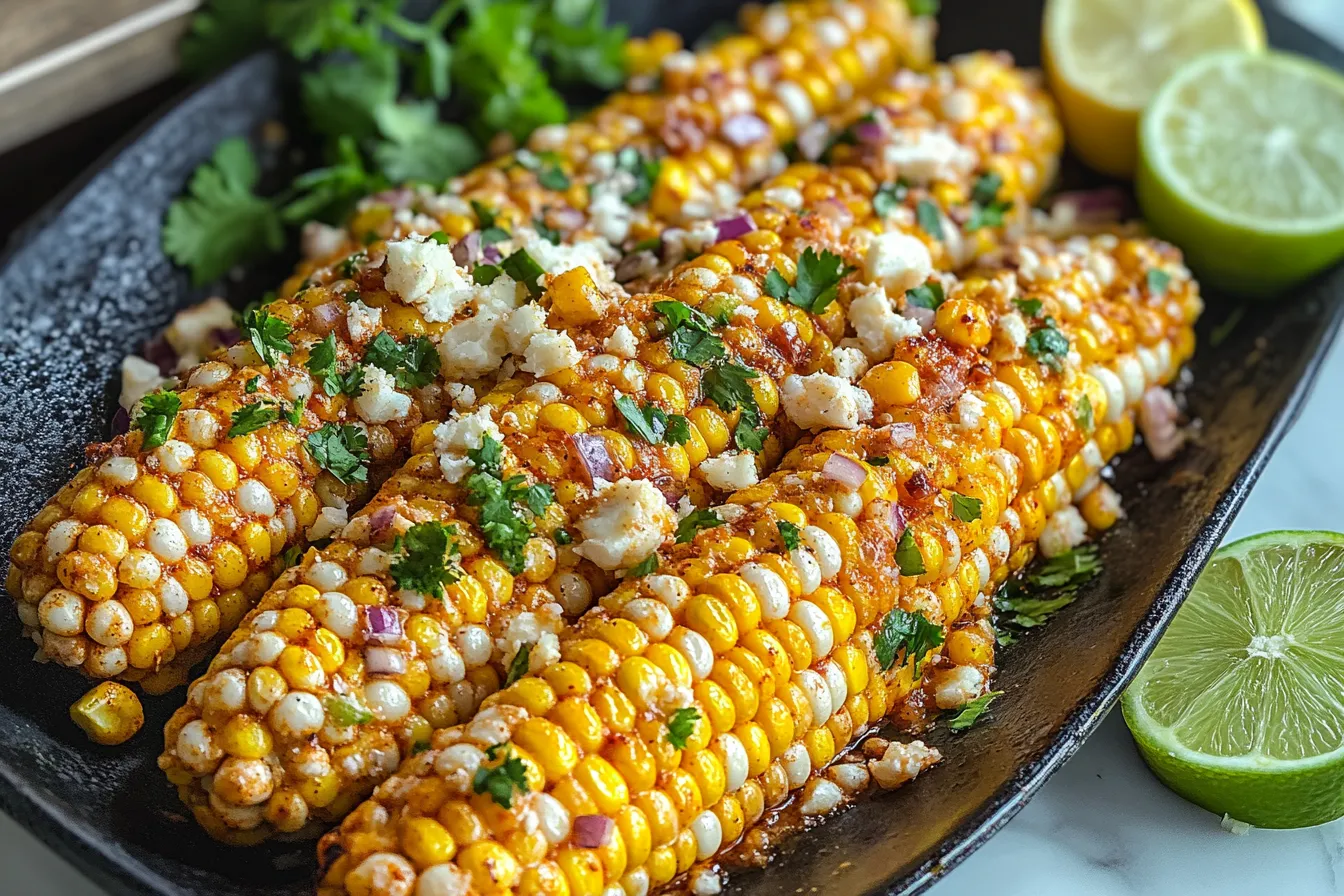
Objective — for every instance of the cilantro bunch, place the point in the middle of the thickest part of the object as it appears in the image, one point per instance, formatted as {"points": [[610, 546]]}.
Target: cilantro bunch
{"points": [[381, 92]]}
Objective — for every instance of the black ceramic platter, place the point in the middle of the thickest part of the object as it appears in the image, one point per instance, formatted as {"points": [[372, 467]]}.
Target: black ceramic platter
{"points": [[86, 283]]}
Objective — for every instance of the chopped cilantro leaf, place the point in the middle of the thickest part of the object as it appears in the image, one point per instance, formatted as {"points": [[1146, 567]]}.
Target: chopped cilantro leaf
{"points": [[552, 178], [252, 417], [908, 636], [965, 509], [485, 274], [158, 410], [677, 314], [929, 218], [1157, 281], [269, 335], [439, 237], [928, 295], [562, 536], [503, 526], [923, 7], [538, 497], [251, 385], [549, 234], [518, 665], [816, 284], [524, 268], [1029, 307], [645, 171], [503, 780], [729, 387], [1084, 416], [681, 726], [971, 712], [888, 198], [1028, 602], [878, 460], [908, 556], [678, 430], [695, 346], [1048, 345], [485, 215], [342, 451], [425, 559], [986, 188], [789, 534], [1070, 568], [346, 711], [645, 567], [748, 435], [651, 423], [413, 364], [693, 522]]}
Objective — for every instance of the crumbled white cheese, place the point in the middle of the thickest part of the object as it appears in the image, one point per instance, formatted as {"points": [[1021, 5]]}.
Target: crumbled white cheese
{"points": [[192, 331], [425, 274], [622, 342], [878, 325], [477, 346], [958, 686], [138, 379], [730, 471], [822, 401], [379, 401], [897, 262], [970, 411], [1064, 531], [463, 396], [924, 156], [459, 434], [901, 762], [329, 521], [1011, 333], [593, 255], [849, 363], [362, 321], [544, 350], [627, 522], [318, 240]]}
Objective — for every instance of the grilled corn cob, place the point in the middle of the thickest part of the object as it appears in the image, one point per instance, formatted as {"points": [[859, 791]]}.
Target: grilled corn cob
{"points": [[151, 551], [550, 420], [692, 701]]}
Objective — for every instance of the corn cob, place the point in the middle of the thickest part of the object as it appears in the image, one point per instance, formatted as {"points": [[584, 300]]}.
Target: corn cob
{"points": [[693, 701], [137, 564], [776, 340]]}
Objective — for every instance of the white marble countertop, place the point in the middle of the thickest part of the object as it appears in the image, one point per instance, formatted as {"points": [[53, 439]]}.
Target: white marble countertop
{"points": [[1102, 826]]}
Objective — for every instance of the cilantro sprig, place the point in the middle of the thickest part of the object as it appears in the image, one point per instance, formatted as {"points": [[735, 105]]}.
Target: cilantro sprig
{"points": [[412, 364], [1048, 345], [383, 92], [652, 424], [907, 636], [987, 210], [342, 451], [970, 713], [322, 363], [693, 522], [504, 780], [817, 281], [426, 558], [268, 334], [158, 410], [507, 506], [789, 534], [1025, 603], [681, 725]]}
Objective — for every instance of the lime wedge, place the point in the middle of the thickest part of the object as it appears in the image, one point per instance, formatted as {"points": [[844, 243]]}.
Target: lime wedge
{"points": [[1106, 58], [1240, 709], [1241, 164]]}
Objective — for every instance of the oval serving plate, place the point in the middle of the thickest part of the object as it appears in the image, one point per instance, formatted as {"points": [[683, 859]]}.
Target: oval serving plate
{"points": [[87, 283]]}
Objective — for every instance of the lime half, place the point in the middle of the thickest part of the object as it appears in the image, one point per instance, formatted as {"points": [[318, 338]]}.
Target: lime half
{"points": [[1240, 709], [1241, 164]]}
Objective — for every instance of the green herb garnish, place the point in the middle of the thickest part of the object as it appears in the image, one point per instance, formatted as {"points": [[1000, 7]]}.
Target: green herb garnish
{"points": [[158, 410]]}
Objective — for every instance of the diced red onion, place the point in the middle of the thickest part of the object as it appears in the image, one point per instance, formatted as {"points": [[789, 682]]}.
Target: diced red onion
{"points": [[592, 831], [158, 352], [592, 452], [901, 433], [565, 218], [328, 313], [221, 337], [381, 521], [744, 129], [384, 661], [836, 212], [920, 315], [382, 624], [844, 470], [636, 264], [490, 255], [121, 422], [468, 249], [397, 198], [896, 520], [734, 227], [869, 132], [1097, 206], [813, 139]]}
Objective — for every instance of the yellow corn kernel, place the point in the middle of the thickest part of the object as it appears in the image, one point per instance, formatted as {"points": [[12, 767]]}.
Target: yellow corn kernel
{"points": [[794, 640], [1026, 383], [619, 447], [245, 451], [255, 540], [157, 495], [88, 502], [575, 299], [281, 477], [328, 649], [149, 646], [580, 721], [603, 783], [109, 713], [710, 617], [1027, 448], [567, 679], [562, 417], [244, 737], [893, 384], [790, 513], [493, 868], [426, 842], [230, 565], [555, 751], [964, 322], [301, 668], [219, 468], [582, 869], [1048, 437], [533, 694], [104, 540], [712, 428], [666, 391], [597, 658], [969, 647], [126, 516], [366, 591], [719, 709]]}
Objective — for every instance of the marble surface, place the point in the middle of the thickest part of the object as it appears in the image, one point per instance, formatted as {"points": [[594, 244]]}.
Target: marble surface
{"points": [[1103, 825]]}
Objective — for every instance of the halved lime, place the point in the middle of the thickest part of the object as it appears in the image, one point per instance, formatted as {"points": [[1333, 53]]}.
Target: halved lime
{"points": [[1240, 709], [1241, 164]]}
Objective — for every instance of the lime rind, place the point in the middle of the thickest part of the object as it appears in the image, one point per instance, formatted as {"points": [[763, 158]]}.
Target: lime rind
{"points": [[1237, 701]]}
